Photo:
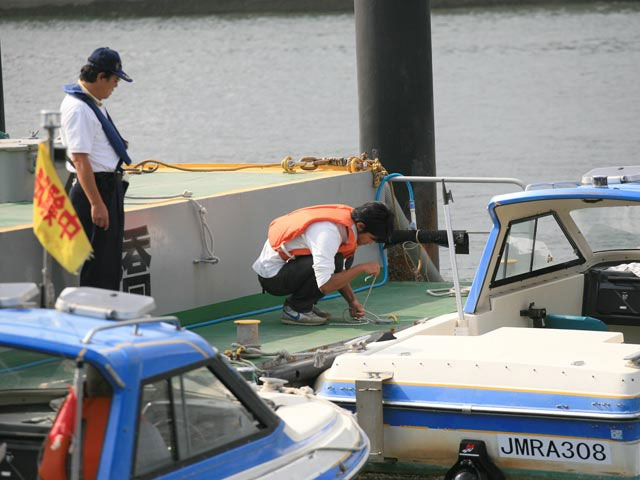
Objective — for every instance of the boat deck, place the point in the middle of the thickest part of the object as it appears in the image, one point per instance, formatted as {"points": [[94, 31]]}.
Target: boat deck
{"points": [[167, 185], [408, 301]]}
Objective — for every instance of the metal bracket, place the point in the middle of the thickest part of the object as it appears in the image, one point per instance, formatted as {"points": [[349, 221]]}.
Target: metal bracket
{"points": [[370, 413], [634, 359]]}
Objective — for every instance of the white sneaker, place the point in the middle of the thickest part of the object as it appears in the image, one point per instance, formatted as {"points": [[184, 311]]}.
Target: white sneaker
{"points": [[321, 313], [291, 317]]}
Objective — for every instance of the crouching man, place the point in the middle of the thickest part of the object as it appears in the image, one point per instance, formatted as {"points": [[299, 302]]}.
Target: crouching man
{"points": [[309, 254]]}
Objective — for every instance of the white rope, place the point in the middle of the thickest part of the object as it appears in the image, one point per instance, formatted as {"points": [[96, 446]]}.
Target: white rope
{"points": [[185, 194], [369, 317], [409, 249], [243, 362], [448, 292], [254, 349], [319, 356], [206, 236]]}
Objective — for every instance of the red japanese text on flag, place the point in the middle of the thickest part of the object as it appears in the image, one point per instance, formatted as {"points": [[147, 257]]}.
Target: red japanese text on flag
{"points": [[55, 222]]}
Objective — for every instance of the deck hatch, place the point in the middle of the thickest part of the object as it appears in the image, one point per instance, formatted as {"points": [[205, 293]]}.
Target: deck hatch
{"points": [[107, 304]]}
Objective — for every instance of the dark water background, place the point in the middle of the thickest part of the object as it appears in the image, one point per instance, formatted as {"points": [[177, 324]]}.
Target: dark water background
{"points": [[539, 93]]}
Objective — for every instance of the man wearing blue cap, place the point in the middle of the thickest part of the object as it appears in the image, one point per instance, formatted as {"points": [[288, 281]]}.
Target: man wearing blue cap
{"points": [[97, 152]]}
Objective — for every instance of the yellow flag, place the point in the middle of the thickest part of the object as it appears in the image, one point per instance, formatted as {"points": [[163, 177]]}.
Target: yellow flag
{"points": [[55, 221]]}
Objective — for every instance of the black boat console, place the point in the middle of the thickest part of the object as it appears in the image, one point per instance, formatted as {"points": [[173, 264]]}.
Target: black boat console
{"points": [[612, 296]]}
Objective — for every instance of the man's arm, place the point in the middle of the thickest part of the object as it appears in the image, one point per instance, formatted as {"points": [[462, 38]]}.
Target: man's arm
{"points": [[342, 279], [356, 310], [99, 213]]}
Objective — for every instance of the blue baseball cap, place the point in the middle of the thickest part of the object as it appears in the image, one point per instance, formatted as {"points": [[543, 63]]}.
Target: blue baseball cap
{"points": [[107, 60]]}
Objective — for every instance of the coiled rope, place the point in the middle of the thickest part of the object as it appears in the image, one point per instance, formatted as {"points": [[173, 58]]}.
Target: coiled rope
{"points": [[369, 317], [408, 247], [206, 236]]}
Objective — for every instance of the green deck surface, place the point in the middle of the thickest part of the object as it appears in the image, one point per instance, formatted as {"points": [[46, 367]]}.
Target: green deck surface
{"points": [[14, 214], [210, 183], [162, 184], [407, 300]]}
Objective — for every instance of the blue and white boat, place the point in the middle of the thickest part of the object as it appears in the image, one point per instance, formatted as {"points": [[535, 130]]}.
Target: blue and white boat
{"points": [[534, 377], [151, 400]]}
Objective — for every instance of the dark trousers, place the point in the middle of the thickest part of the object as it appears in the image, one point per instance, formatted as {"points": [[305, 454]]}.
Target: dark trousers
{"points": [[104, 270], [298, 280]]}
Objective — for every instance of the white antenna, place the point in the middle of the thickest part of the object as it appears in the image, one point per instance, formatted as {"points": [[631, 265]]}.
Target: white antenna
{"points": [[462, 327]]}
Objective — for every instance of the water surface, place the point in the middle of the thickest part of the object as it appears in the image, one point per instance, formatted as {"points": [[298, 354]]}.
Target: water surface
{"points": [[539, 93]]}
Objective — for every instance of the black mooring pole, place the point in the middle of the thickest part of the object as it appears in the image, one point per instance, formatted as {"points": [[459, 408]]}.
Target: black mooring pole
{"points": [[2, 125], [395, 96]]}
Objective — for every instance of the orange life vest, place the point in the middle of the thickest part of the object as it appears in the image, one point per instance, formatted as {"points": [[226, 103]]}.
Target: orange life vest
{"points": [[95, 412], [286, 228]]}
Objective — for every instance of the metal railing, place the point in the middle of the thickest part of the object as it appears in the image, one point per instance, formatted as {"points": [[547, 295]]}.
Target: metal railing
{"points": [[135, 323]]}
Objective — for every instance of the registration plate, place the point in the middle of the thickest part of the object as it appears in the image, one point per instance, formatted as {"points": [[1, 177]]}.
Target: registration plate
{"points": [[554, 449]]}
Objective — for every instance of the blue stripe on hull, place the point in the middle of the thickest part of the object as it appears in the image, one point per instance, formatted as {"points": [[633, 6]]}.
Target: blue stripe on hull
{"points": [[405, 417], [408, 416], [493, 424], [491, 398]]}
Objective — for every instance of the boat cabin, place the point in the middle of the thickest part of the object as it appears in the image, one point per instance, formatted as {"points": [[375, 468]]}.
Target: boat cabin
{"points": [[570, 251], [98, 388]]}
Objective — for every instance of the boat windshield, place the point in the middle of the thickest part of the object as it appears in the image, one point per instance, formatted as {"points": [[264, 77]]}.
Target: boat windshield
{"points": [[534, 246], [26, 370], [609, 228]]}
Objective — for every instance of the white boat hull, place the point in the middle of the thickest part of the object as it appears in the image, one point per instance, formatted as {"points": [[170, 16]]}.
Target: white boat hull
{"points": [[573, 413], [432, 439]]}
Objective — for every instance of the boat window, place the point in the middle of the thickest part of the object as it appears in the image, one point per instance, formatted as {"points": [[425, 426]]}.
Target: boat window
{"points": [[609, 228], [156, 444], [534, 246], [32, 388], [25, 370], [188, 415], [211, 415]]}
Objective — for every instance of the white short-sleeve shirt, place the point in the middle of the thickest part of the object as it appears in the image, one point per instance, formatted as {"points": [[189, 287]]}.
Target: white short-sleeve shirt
{"points": [[321, 238], [82, 132]]}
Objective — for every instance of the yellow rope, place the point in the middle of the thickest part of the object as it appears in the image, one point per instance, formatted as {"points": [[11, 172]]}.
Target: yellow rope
{"points": [[288, 165], [139, 168]]}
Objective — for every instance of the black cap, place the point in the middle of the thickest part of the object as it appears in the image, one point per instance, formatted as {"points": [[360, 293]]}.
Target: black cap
{"points": [[107, 60]]}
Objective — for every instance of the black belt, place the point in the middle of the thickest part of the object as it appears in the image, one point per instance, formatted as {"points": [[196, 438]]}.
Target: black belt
{"points": [[104, 175], [99, 176]]}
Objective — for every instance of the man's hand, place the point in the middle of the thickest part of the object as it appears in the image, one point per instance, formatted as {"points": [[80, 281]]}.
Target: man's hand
{"points": [[371, 268], [100, 215], [356, 310], [99, 212]]}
